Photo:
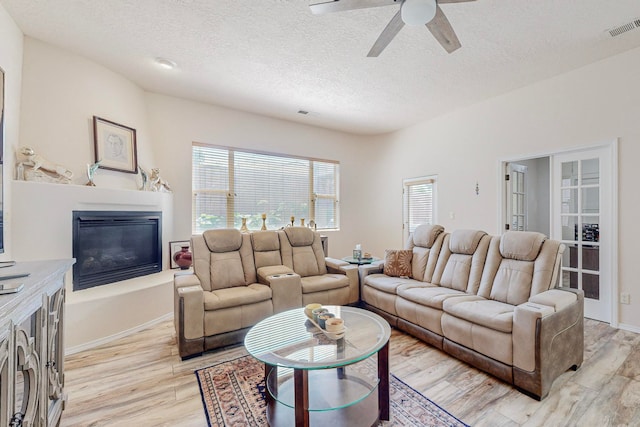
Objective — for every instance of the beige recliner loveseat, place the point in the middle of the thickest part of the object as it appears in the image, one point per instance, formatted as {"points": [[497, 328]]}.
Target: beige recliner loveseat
{"points": [[490, 301], [239, 279]]}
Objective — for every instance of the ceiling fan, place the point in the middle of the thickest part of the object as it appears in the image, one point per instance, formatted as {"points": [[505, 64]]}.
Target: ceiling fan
{"points": [[412, 12]]}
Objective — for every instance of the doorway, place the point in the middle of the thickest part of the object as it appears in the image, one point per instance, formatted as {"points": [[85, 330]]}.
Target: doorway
{"points": [[570, 196]]}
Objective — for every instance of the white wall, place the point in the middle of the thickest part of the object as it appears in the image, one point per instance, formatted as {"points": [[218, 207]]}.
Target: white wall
{"points": [[178, 123], [11, 46], [61, 94], [588, 106]]}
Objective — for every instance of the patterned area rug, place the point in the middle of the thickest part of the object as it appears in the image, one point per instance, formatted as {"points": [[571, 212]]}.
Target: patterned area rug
{"points": [[233, 395]]}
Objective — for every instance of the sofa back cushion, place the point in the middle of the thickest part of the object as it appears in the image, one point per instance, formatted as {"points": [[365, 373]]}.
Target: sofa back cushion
{"points": [[425, 243], [461, 260], [301, 250], [520, 265], [266, 248], [223, 259]]}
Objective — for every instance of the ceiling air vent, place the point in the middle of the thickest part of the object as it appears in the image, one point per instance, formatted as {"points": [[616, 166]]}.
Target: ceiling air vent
{"points": [[624, 28]]}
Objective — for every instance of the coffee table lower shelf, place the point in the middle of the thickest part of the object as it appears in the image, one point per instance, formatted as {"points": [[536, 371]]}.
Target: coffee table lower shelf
{"points": [[324, 385]]}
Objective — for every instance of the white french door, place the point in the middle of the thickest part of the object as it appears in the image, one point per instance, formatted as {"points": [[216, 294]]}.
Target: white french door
{"points": [[583, 220]]}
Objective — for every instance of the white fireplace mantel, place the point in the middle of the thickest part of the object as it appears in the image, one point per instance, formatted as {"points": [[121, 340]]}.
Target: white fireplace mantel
{"points": [[41, 229]]}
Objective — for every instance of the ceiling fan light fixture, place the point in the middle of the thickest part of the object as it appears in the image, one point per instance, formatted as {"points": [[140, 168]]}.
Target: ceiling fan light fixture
{"points": [[417, 12]]}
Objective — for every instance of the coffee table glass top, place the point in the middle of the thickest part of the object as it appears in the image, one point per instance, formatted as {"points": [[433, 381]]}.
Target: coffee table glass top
{"points": [[287, 339]]}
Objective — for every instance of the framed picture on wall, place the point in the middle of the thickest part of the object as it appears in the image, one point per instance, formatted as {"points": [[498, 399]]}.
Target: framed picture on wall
{"points": [[115, 146], [175, 247]]}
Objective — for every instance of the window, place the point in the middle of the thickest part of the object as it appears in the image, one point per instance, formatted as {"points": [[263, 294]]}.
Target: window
{"points": [[419, 202], [229, 184]]}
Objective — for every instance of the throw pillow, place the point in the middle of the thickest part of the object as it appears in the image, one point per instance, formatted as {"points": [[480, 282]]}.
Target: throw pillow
{"points": [[397, 263]]}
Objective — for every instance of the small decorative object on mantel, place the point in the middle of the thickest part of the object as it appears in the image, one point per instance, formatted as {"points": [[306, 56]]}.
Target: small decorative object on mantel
{"points": [[34, 167], [312, 224], [144, 179], [264, 221], [91, 173], [115, 146], [156, 183], [293, 219], [243, 228], [181, 254], [301, 222]]}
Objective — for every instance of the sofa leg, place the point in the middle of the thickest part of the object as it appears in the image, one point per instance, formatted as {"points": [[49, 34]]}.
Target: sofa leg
{"points": [[576, 367]]}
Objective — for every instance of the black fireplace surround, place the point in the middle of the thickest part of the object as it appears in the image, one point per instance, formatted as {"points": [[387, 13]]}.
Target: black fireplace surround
{"points": [[110, 246]]}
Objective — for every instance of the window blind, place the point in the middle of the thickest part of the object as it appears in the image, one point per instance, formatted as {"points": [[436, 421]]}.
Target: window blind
{"points": [[419, 203], [229, 184]]}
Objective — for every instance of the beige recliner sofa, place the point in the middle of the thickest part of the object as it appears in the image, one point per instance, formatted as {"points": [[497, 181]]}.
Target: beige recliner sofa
{"points": [[239, 279], [490, 301]]}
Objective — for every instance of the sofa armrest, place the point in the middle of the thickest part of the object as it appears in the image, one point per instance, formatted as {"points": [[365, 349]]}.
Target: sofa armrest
{"points": [[286, 291], [336, 266], [548, 338], [189, 311], [376, 267], [185, 278]]}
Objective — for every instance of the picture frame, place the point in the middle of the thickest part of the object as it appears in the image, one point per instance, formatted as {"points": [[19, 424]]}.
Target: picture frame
{"points": [[115, 146], [174, 247]]}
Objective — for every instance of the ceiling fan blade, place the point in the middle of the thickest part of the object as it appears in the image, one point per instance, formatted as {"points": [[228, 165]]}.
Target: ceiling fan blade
{"points": [[340, 5], [443, 31], [390, 31], [453, 1]]}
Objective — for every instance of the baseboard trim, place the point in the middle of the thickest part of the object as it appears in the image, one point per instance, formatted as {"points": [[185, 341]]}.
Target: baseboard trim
{"points": [[629, 328], [104, 340]]}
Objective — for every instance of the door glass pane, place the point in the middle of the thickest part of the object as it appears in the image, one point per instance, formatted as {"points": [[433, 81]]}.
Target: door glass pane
{"points": [[591, 200], [572, 280], [520, 182], [570, 200], [569, 173], [590, 172], [590, 229], [570, 256], [591, 258], [591, 285], [569, 228], [521, 204]]}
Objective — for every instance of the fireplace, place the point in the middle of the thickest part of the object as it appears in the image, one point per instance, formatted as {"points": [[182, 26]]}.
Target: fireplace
{"points": [[110, 246]]}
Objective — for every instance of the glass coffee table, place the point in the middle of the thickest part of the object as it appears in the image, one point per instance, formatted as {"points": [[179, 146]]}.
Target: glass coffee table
{"points": [[315, 380]]}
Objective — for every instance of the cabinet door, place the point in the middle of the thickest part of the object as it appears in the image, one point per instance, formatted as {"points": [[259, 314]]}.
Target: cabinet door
{"points": [[27, 371], [6, 376], [54, 380]]}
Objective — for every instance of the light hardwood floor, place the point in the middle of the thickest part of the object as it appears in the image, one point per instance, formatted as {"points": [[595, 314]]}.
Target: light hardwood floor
{"points": [[141, 381]]}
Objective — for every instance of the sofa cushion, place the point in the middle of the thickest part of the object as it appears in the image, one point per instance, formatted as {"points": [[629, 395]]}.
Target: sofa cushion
{"points": [[324, 282], [389, 284], [305, 262], [299, 236], [465, 241], [521, 245], [430, 296], [238, 296], [488, 313], [512, 282], [397, 262], [266, 248], [456, 272], [226, 270], [223, 240], [425, 235]]}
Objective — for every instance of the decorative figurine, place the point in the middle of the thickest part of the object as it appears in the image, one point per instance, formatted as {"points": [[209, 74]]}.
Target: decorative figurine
{"points": [[34, 167], [157, 183], [91, 173]]}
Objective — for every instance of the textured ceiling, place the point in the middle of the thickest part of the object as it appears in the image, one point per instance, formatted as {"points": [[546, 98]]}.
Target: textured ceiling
{"points": [[274, 57]]}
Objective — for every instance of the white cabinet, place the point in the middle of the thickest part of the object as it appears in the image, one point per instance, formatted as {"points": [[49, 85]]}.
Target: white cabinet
{"points": [[31, 346]]}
